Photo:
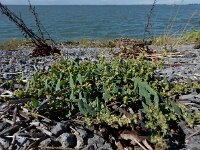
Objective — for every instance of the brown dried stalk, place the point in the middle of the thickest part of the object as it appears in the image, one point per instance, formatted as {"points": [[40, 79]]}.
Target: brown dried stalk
{"points": [[42, 47]]}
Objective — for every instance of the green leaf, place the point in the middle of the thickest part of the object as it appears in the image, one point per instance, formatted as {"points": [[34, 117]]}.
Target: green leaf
{"points": [[62, 82], [85, 109], [106, 95], [46, 84], [35, 102], [58, 85], [71, 81], [148, 99], [40, 92], [80, 79], [167, 83], [69, 114], [33, 79], [98, 104], [115, 89], [27, 87], [80, 96], [142, 91], [144, 107], [72, 97], [146, 91], [176, 108], [156, 99]]}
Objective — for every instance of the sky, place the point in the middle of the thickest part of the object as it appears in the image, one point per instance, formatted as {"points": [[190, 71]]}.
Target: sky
{"points": [[96, 2]]}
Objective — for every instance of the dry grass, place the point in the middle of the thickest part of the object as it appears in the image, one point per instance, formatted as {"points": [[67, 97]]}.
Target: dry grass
{"points": [[187, 38], [14, 44]]}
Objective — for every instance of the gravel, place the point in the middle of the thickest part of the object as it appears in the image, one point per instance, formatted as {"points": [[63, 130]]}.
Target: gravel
{"points": [[186, 62], [19, 62]]}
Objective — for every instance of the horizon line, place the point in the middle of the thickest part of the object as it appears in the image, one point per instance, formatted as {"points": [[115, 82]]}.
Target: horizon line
{"points": [[95, 4]]}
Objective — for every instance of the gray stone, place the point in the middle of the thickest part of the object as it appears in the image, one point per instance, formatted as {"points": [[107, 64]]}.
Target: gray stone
{"points": [[193, 147], [5, 143], [50, 142], [59, 129], [197, 46], [1, 124], [67, 140], [22, 143], [1, 147], [106, 146], [23, 62], [90, 147], [197, 96], [47, 68], [187, 97], [80, 142], [46, 143], [82, 132], [96, 139]]}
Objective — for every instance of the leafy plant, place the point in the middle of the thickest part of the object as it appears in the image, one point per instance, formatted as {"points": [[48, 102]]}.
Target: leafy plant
{"points": [[92, 89]]}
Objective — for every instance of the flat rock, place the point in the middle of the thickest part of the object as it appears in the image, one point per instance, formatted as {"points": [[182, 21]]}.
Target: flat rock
{"points": [[59, 129], [80, 142], [89, 147], [4, 143], [187, 97], [22, 143], [81, 131], [106, 146], [46, 143], [96, 140], [68, 140]]}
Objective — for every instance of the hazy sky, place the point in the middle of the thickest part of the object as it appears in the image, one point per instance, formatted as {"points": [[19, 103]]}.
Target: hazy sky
{"points": [[93, 2]]}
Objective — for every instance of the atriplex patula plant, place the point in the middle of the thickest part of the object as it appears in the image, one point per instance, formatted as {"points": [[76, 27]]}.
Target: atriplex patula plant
{"points": [[111, 91]]}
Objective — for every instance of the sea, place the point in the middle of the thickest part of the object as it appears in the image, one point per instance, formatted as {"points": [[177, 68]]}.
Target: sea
{"points": [[78, 22]]}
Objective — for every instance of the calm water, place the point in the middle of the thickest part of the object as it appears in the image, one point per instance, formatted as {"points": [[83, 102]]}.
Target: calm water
{"points": [[103, 22]]}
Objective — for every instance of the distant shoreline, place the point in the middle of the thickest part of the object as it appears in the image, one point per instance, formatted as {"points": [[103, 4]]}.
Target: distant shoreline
{"points": [[101, 4]]}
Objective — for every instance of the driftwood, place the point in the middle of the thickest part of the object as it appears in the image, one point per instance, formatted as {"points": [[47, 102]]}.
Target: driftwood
{"points": [[43, 46]]}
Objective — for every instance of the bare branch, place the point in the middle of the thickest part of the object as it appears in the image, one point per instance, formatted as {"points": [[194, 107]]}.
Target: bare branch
{"points": [[42, 47], [149, 21]]}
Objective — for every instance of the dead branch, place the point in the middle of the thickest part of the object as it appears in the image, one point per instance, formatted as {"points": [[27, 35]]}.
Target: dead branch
{"points": [[149, 21], [42, 47]]}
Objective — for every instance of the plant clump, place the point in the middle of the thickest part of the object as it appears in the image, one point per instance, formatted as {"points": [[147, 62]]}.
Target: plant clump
{"points": [[117, 92], [173, 40]]}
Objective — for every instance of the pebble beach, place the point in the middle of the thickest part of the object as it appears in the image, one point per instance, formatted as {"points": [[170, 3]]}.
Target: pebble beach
{"points": [[183, 64]]}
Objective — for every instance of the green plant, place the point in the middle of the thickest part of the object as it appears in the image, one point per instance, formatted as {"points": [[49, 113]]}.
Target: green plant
{"points": [[173, 40], [193, 36], [73, 87]]}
